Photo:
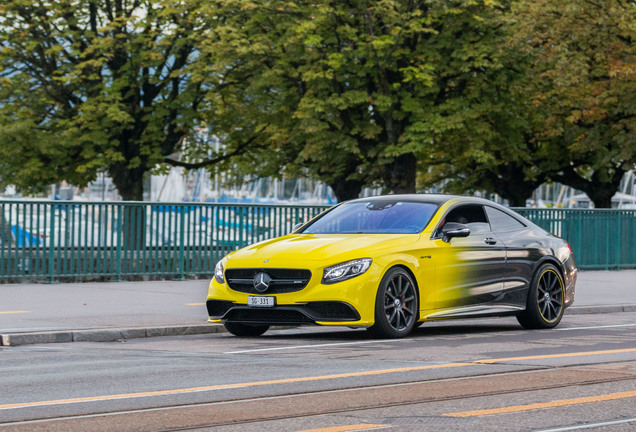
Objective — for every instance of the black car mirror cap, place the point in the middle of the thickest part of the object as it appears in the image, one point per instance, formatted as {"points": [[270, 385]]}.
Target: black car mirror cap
{"points": [[454, 229]]}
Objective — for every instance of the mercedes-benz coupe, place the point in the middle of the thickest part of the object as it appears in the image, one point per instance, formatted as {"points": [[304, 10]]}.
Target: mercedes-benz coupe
{"points": [[390, 263]]}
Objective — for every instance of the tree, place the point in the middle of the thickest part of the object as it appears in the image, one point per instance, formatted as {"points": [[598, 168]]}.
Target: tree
{"points": [[493, 146], [93, 85], [353, 92], [549, 111], [582, 73]]}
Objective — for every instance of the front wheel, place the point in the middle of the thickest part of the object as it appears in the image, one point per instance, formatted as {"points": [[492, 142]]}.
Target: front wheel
{"points": [[245, 330], [545, 304], [396, 305]]}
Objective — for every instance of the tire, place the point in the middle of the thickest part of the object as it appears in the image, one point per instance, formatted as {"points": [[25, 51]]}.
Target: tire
{"points": [[245, 330], [545, 304], [396, 305]]}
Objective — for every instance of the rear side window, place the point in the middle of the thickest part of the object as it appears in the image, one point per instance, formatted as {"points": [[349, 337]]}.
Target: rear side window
{"points": [[502, 222]]}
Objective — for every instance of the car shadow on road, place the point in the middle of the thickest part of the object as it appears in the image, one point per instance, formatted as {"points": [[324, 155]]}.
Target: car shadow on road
{"points": [[427, 329]]}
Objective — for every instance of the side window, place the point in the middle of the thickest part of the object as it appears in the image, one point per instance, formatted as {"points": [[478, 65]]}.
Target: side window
{"points": [[502, 222], [471, 215]]}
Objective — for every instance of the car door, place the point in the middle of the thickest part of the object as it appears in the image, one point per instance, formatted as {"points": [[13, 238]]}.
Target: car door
{"points": [[523, 250], [470, 270]]}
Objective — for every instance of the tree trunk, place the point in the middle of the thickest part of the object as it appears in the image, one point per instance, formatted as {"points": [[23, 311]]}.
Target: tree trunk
{"points": [[129, 182], [344, 178], [346, 189], [130, 185], [600, 192], [601, 195], [399, 175], [6, 236], [512, 185]]}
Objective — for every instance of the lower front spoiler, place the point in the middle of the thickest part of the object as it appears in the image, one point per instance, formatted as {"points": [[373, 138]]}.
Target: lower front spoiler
{"points": [[308, 313]]}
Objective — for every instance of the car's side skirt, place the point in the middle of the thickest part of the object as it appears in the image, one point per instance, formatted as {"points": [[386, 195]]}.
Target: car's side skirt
{"points": [[474, 311]]}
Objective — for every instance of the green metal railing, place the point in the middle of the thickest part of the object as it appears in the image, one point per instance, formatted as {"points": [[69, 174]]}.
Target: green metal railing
{"points": [[69, 239], [600, 238]]}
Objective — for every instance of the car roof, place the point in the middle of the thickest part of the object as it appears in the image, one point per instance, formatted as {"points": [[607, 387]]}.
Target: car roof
{"points": [[440, 199], [425, 198]]}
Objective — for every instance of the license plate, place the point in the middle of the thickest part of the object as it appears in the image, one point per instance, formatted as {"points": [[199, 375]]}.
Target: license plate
{"points": [[264, 301]]}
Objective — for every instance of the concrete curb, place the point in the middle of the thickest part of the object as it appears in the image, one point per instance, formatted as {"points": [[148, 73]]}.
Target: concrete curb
{"points": [[105, 335], [117, 334], [579, 310]]}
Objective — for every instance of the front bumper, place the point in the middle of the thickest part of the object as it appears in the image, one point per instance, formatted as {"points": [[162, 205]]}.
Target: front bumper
{"points": [[350, 302]]}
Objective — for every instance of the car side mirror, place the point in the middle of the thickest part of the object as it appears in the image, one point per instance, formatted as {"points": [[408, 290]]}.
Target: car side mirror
{"points": [[454, 229], [295, 227]]}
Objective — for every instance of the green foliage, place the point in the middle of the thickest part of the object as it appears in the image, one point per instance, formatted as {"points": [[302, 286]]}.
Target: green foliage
{"points": [[558, 104], [353, 93], [475, 94], [97, 85], [489, 139], [583, 59]]}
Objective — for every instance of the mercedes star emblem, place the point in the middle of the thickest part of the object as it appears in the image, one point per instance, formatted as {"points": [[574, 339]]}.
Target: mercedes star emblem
{"points": [[261, 282]]}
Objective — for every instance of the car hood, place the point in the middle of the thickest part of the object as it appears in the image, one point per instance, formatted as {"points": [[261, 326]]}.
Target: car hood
{"points": [[328, 248]]}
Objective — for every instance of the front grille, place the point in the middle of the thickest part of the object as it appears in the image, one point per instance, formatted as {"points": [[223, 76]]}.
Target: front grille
{"points": [[283, 280]]}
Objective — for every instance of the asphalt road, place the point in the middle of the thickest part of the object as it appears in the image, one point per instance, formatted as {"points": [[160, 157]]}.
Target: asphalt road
{"points": [[164, 304], [483, 374]]}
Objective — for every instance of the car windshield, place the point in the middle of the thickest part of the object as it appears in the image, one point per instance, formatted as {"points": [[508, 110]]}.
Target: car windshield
{"points": [[374, 217]]}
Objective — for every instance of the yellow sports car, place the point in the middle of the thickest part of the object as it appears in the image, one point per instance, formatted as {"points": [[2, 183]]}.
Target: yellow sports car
{"points": [[390, 262]]}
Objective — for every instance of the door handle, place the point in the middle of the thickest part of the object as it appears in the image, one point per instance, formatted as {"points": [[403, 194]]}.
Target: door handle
{"points": [[490, 241]]}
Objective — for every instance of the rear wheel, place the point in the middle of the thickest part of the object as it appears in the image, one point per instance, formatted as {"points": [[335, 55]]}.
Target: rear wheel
{"points": [[544, 307], [238, 329], [396, 305]]}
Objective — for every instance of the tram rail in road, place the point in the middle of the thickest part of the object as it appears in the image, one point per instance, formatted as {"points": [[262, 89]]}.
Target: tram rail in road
{"points": [[583, 372], [480, 375], [312, 378], [250, 410]]}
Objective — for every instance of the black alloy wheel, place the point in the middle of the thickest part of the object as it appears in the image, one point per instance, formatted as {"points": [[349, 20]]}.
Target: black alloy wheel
{"points": [[546, 298], [245, 330], [396, 306]]}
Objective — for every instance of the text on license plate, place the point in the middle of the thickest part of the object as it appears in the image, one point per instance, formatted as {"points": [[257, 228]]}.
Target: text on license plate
{"points": [[261, 301]]}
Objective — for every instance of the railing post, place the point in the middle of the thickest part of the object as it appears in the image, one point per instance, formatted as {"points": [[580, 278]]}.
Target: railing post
{"points": [[52, 243], [181, 263], [619, 239], [605, 221], [5, 236], [240, 226], [119, 238]]}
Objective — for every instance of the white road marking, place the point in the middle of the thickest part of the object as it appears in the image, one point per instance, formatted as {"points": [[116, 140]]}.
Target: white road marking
{"points": [[588, 426], [318, 345], [596, 327]]}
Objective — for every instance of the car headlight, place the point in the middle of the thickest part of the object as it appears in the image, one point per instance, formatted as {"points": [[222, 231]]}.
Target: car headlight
{"points": [[346, 270], [218, 272]]}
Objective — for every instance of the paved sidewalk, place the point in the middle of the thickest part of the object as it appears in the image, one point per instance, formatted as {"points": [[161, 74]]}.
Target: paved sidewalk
{"points": [[107, 311]]}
